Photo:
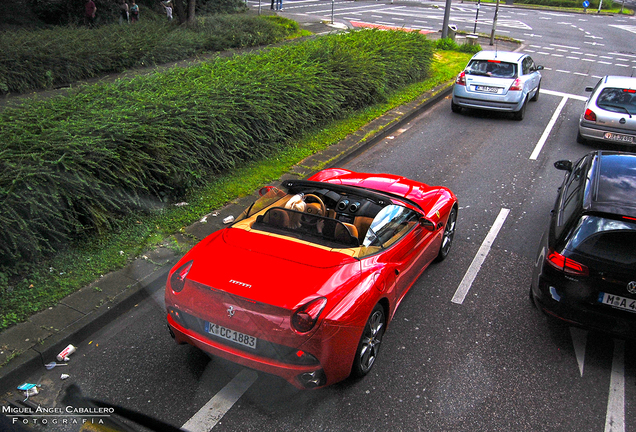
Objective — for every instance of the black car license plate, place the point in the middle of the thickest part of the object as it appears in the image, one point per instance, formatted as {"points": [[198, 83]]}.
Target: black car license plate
{"points": [[617, 302]]}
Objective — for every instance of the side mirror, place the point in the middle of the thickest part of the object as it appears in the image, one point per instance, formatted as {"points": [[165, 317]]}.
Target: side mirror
{"points": [[589, 89], [262, 191], [539, 67], [564, 165], [427, 224]]}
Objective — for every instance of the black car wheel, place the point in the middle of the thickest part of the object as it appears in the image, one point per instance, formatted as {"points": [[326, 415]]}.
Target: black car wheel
{"points": [[447, 237], [369, 345], [519, 115], [580, 139], [455, 108]]}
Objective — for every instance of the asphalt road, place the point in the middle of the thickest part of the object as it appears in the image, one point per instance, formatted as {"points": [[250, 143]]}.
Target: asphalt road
{"points": [[489, 362]]}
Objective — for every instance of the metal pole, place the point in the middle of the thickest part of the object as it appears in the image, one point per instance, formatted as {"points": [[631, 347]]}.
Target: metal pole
{"points": [[477, 16], [332, 2], [494, 25], [599, 6], [259, 6], [446, 19]]}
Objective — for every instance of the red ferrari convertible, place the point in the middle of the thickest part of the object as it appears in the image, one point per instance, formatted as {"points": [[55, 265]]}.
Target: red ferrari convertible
{"points": [[305, 281]]}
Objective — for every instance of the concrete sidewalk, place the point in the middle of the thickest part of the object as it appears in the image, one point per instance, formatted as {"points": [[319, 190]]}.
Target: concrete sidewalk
{"points": [[26, 347]]}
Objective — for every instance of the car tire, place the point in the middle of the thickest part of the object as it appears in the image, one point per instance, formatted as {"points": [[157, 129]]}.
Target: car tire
{"points": [[447, 237], [579, 138], [536, 95], [519, 115], [370, 341], [455, 108]]}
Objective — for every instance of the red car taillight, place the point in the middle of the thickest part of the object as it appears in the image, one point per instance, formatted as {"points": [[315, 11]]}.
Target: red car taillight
{"points": [[566, 265], [589, 115], [306, 316], [461, 79], [516, 85], [177, 280]]}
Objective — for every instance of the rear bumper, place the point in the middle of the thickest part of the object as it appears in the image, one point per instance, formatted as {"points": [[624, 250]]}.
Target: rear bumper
{"points": [[334, 346], [491, 104], [590, 131], [554, 302]]}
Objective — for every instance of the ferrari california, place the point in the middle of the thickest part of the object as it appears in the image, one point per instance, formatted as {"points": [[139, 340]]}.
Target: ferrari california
{"points": [[305, 281]]}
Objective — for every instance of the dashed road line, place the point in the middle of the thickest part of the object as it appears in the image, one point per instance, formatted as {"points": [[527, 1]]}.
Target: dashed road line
{"points": [[615, 417], [213, 411], [479, 259]]}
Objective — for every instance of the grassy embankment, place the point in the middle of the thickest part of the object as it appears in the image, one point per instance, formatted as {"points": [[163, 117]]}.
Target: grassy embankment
{"points": [[97, 169], [40, 59]]}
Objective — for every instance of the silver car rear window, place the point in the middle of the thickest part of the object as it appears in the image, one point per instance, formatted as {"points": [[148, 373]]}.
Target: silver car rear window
{"points": [[617, 100], [493, 68]]}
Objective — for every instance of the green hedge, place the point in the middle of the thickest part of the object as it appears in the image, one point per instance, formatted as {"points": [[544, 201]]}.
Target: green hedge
{"points": [[607, 4], [76, 164], [48, 58]]}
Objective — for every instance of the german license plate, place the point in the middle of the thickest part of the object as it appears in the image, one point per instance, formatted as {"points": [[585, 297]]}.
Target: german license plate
{"points": [[618, 137], [486, 89], [230, 335], [617, 302]]}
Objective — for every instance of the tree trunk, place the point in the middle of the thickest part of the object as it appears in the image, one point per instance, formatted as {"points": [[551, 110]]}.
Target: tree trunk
{"points": [[179, 11], [191, 7]]}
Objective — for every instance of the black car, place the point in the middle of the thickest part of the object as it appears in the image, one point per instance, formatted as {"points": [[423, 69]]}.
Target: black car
{"points": [[585, 271]]}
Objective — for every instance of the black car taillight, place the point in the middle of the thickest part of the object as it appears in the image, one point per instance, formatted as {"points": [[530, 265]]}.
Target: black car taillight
{"points": [[177, 280], [306, 316], [566, 265]]}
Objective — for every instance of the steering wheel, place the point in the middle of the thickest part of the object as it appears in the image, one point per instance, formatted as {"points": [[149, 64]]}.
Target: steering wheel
{"points": [[319, 210]]}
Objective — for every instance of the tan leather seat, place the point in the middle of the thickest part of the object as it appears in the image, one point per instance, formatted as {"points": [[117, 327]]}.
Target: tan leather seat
{"points": [[277, 218], [343, 236]]}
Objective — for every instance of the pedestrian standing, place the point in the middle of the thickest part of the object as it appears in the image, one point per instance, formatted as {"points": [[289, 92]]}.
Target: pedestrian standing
{"points": [[272, 6], [89, 13], [168, 7], [134, 12], [279, 4], [123, 12]]}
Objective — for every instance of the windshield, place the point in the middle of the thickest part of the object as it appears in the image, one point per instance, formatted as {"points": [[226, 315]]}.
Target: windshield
{"points": [[617, 100], [492, 68], [390, 224]]}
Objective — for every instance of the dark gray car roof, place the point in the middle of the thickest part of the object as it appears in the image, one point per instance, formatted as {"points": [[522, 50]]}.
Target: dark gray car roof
{"points": [[612, 183]]}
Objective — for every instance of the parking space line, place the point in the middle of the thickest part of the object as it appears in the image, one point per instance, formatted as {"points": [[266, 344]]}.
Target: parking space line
{"points": [[479, 259], [548, 129], [213, 411], [615, 418]]}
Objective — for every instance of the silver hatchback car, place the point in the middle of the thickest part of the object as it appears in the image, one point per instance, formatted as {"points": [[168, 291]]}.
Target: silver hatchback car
{"points": [[497, 80], [610, 112]]}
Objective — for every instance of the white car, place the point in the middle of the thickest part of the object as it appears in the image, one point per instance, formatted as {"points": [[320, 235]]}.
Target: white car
{"points": [[610, 112], [499, 81]]}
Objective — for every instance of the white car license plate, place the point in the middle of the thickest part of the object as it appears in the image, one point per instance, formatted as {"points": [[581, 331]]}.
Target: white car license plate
{"points": [[618, 137], [617, 302], [486, 89], [230, 335]]}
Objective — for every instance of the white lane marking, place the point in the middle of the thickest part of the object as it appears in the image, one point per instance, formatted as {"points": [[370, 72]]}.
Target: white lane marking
{"points": [[479, 259], [615, 418], [548, 129], [561, 94], [579, 339], [213, 411]]}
